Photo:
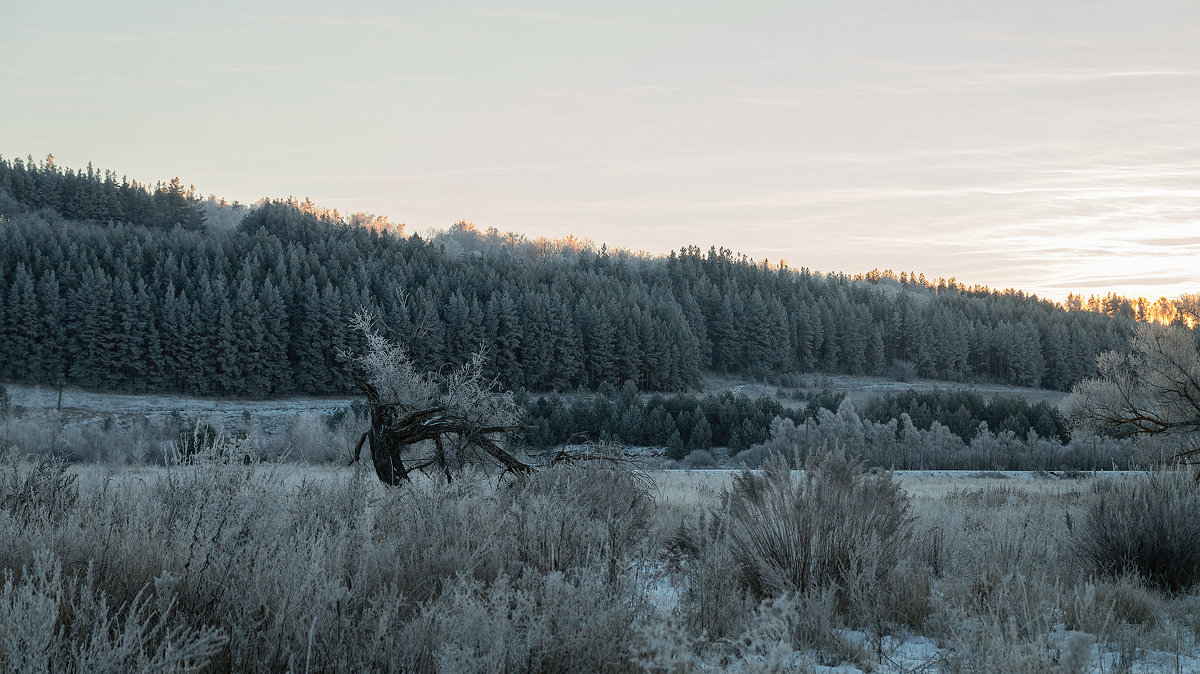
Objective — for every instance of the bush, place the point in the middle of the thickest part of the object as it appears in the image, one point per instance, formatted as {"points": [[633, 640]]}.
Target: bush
{"points": [[206, 440], [582, 516], [700, 459], [834, 527], [755, 457], [5, 401], [535, 624], [1146, 526], [702, 554], [335, 573], [902, 371], [833, 535], [51, 621], [1095, 606], [44, 490]]}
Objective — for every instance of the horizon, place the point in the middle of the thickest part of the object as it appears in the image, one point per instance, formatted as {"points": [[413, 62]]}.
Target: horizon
{"points": [[1047, 149]]}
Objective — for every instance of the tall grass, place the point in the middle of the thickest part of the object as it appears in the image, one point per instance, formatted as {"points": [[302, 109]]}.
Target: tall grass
{"points": [[214, 565], [834, 526], [1145, 525], [826, 543], [338, 575]]}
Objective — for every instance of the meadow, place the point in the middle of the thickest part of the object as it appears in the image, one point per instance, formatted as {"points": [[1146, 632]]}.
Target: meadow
{"points": [[215, 565]]}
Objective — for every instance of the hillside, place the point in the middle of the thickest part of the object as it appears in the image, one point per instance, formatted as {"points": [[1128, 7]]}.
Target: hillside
{"points": [[111, 285]]}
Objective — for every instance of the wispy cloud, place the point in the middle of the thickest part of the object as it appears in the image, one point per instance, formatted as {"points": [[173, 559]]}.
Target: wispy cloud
{"points": [[579, 19], [333, 21], [100, 38], [985, 79], [257, 68]]}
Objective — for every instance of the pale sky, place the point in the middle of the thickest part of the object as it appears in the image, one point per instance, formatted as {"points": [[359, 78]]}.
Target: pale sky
{"points": [[1052, 146]]}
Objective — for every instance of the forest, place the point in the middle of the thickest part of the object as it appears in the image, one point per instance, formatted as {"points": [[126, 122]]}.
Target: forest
{"points": [[109, 284], [186, 543]]}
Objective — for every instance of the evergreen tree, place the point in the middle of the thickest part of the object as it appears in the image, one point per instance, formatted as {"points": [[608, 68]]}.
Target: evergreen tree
{"points": [[24, 328], [274, 361], [305, 350], [702, 434], [250, 335], [51, 331]]}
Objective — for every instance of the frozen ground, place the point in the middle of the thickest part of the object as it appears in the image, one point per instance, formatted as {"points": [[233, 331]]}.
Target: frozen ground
{"points": [[90, 405], [695, 487], [861, 389], [80, 406]]}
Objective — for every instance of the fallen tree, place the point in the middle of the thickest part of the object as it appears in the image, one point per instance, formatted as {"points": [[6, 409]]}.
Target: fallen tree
{"points": [[466, 417]]}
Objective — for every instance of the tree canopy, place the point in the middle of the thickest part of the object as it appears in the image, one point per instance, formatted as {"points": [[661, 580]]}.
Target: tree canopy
{"points": [[103, 287]]}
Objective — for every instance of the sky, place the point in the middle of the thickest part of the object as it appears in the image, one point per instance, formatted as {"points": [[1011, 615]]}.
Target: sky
{"points": [[1048, 146]]}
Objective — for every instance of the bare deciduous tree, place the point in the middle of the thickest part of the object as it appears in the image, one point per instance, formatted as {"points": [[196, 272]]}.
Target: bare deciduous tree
{"points": [[465, 415], [1153, 390]]}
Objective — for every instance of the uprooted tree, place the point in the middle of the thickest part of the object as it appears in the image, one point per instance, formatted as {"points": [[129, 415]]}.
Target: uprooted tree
{"points": [[466, 417]]}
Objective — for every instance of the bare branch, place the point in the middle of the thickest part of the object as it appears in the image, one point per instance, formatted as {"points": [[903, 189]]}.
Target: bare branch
{"points": [[462, 410], [1153, 390]]}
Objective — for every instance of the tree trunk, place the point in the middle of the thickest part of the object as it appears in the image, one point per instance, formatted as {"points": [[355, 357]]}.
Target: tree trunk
{"points": [[394, 429]]}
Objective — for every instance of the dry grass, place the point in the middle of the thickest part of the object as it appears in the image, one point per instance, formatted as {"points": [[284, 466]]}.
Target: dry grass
{"points": [[276, 567], [1144, 525]]}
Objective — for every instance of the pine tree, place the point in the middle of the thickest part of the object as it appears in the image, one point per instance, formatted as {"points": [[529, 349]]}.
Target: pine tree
{"points": [[92, 339], [305, 350], [24, 328], [568, 350], [250, 337], [333, 339], [456, 318], [701, 436], [227, 356], [509, 336], [599, 346], [275, 367]]}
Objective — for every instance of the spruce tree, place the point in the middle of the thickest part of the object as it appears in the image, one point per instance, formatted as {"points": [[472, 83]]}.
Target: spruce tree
{"points": [[250, 337], [24, 327]]}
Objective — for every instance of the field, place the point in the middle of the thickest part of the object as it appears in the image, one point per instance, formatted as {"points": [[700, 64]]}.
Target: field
{"points": [[82, 406], [85, 407], [863, 388], [286, 567]]}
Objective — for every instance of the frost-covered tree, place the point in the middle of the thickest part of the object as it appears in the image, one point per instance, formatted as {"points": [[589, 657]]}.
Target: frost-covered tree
{"points": [[464, 414], [1153, 390]]}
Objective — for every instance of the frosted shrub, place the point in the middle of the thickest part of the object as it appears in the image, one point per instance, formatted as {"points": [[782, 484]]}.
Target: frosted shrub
{"points": [[207, 441], [1145, 526], [580, 517], [700, 459], [752, 458], [53, 622], [835, 531], [310, 439], [109, 442], [1095, 606], [780, 625], [539, 623], [45, 489], [823, 529], [718, 607]]}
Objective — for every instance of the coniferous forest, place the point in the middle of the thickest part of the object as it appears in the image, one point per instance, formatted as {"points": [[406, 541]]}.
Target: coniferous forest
{"points": [[114, 285]]}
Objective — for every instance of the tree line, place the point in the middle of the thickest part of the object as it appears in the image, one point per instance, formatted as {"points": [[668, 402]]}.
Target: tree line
{"points": [[114, 285], [686, 422], [965, 412]]}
